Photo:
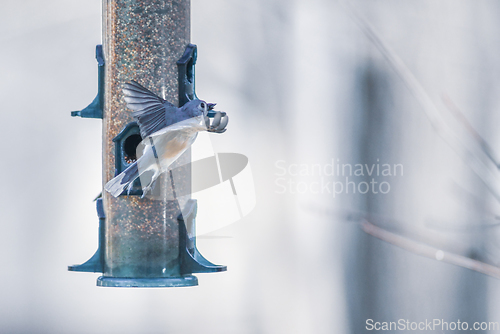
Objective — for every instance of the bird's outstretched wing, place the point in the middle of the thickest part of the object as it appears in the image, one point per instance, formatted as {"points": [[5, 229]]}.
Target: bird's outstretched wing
{"points": [[150, 111]]}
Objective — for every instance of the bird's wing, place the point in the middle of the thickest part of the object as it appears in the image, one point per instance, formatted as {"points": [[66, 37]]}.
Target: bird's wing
{"points": [[149, 110]]}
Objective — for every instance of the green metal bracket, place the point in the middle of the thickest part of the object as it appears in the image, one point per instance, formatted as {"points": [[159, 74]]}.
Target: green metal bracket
{"points": [[191, 259], [96, 263], [95, 108]]}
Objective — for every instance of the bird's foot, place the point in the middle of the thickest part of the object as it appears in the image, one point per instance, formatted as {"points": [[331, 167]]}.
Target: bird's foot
{"points": [[145, 191], [129, 188]]}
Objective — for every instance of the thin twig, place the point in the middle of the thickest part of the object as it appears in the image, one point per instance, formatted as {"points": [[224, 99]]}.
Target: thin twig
{"points": [[429, 251], [455, 111], [471, 156], [416, 247]]}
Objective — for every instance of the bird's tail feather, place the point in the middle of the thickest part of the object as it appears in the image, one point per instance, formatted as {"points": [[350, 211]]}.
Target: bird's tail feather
{"points": [[117, 185]]}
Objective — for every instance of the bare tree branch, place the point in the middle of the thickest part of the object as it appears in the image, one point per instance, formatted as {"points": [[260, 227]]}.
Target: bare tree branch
{"points": [[429, 251], [470, 154], [457, 113]]}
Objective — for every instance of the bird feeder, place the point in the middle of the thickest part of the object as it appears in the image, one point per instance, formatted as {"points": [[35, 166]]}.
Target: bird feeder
{"points": [[144, 242]]}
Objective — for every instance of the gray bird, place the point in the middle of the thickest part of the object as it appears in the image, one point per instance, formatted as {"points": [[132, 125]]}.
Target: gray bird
{"points": [[167, 132]]}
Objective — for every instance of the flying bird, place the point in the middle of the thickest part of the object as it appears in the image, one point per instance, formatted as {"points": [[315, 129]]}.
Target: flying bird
{"points": [[166, 131]]}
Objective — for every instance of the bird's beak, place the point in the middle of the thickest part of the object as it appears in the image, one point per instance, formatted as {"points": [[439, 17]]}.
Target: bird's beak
{"points": [[211, 106]]}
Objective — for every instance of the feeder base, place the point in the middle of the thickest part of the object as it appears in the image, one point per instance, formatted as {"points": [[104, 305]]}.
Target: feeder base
{"points": [[162, 282]]}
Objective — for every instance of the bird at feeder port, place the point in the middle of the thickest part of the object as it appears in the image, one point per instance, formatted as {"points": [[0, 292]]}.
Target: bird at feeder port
{"points": [[167, 132]]}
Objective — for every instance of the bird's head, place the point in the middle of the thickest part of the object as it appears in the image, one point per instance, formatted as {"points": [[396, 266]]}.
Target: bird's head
{"points": [[198, 107]]}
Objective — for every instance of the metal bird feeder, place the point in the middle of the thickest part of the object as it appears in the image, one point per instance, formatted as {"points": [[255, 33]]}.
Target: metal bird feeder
{"points": [[144, 242]]}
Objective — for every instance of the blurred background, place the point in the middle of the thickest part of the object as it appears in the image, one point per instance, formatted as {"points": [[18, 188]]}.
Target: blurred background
{"points": [[307, 85]]}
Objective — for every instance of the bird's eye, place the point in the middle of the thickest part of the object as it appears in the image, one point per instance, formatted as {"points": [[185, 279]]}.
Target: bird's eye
{"points": [[202, 105]]}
